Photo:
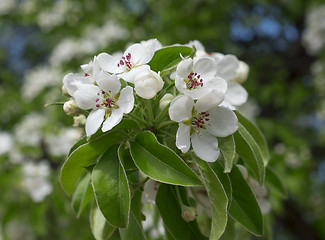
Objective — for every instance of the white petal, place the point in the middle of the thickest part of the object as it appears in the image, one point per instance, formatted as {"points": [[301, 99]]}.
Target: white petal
{"points": [[205, 146], [184, 68], [181, 108], [131, 75], [223, 122], [86, 96], [206, 67], [94, 120], [108, 63], [114, 119], [180, 84], [183, 137], [71, 80], [210, 100], [236, 94], [227, 67], [147, 84], [216, 82], [107, 82], [126, 99], [139, 54]]}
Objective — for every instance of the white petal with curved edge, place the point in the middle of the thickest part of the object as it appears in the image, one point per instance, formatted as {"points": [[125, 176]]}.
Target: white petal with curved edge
{"points": [[131, 75], [108, 83], [109, 63], [183, 137], [236, 94], [180, 84], [206, 67], [71, 80], [114, 119], [216, 82], [205, 146], [86, 96], [184, 68], [94, 120], [181, 108], [223, 122], [139, 54], [210, 100], [126, 99], [227, 67]]}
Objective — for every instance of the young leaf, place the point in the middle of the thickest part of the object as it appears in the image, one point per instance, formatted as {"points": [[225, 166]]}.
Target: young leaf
{"points": [[82, 195], [134, 230], [275, 182], [86, 155], [248, 149], [257, 135], [218, 199], [244, 207], [228, 150], [160, 162], [171, 213], [98, 224], [167, 58], [111, 188]]}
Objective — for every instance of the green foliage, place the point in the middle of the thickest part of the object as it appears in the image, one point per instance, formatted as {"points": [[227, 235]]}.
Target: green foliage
{"points": [[160, 162], [111, 188]]}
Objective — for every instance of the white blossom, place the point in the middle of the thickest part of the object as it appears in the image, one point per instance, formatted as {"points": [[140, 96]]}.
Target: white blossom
{"points": [[201, 122], [198, 78], [128, 66], [34, 179]]}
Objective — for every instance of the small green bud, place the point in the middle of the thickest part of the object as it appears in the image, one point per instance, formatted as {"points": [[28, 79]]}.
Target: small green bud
{"points": [[188, 213]]}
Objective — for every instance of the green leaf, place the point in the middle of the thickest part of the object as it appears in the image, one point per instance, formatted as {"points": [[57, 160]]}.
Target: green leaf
{"points": [[98, 224], [228, 151], [167, 58], [248, 150], [160, 162], [80, 142], [224, 179], [275, 182], [82, 195], [257, 135], [111, 188], [86, 155], [244, 207], [134, 230], [171, 213], [218, 199]]}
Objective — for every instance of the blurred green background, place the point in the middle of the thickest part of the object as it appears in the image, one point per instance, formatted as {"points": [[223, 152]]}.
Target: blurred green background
{"points": [[42, 40]]}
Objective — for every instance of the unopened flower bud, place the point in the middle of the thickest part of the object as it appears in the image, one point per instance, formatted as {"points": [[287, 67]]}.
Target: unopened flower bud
{"points": [[65, 92], [70, 108], [165, 100], [188, 213], [242, 72], [79, 121], [147, 83]]}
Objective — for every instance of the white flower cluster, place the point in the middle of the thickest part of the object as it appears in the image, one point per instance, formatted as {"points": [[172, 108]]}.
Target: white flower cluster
{"points": [[35, 180], [207, 86], [314, 34]]}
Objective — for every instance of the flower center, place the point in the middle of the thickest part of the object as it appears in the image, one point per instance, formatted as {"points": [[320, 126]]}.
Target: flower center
{"points": [[126, 62], [193, 81], [200, 120], [105, 100]]}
